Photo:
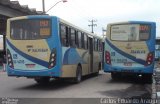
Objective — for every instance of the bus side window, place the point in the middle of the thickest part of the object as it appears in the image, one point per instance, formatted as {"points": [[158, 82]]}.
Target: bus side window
{"points": [[72, 37], [100, 46], [95, 44], [76, 40], [82, 40], [64, 35], [79, 39], [85, 41]]}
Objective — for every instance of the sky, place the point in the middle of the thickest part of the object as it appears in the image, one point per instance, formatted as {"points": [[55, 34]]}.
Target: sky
{"points": [[80, 12]]}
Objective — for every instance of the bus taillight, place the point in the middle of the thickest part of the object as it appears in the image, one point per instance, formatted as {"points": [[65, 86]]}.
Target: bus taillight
{"points": [[9, 59], [52, 61], [149, 58], [107, 57]]}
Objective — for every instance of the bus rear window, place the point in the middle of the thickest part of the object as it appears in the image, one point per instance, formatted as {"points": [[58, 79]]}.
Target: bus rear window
{"points": [[29, 29], [130, 32]]}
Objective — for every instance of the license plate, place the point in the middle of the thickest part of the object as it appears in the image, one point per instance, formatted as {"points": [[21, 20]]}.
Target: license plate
{"points": [[30, 65]]}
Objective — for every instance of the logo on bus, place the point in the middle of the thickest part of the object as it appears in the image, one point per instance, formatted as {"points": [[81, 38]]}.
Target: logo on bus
{"points": [[31, 49], [37, 50]]}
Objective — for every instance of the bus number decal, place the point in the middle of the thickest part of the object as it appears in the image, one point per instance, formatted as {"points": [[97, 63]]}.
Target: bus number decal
{"points": [[18, 61], [144, 28], [119, 60], [44, 23]]}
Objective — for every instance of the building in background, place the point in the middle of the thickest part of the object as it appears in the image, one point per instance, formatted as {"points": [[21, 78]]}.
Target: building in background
{"points": [[10, 9]]}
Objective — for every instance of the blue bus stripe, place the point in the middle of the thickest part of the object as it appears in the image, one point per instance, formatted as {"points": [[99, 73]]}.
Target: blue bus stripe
{"points": [[71, 56], [140, 61], [33, 59]]}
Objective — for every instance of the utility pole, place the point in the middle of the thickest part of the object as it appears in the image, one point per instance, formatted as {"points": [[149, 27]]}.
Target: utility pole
{"points": [[92, 24], [43, 6]]}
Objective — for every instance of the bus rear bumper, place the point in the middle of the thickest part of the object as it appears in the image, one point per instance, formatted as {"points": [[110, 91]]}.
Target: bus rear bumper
{"points": [[140, 70], [33, 73]]}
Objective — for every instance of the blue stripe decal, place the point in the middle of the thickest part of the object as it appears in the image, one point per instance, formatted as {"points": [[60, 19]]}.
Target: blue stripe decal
{"points": [[33, 59], [71, 56], [140, 61]]}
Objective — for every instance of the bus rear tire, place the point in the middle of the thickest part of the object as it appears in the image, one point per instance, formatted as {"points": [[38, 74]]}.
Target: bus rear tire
{"points": [[42, 80], [115, 76], [147, 78], [78, 77]]}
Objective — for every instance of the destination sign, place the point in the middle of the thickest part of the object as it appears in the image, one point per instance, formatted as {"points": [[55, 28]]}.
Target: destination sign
{"points": [[44, 23]]}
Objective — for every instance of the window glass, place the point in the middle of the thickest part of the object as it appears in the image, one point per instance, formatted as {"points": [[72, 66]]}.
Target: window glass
{"points": [[79, 39], [30, 29], [82, 38], [100, 45], [95, 44], [144, 32], [73, 37], [130, 32], [64, 34], [85, 41]]}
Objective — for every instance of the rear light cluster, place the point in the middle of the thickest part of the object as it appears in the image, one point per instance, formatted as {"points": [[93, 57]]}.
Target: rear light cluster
{"points": [[107, 57], [149, 60], [52, 60], [9, 59]]}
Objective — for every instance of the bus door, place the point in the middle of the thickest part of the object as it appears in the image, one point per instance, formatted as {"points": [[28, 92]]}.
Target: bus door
{"points": [[90, 47]]}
